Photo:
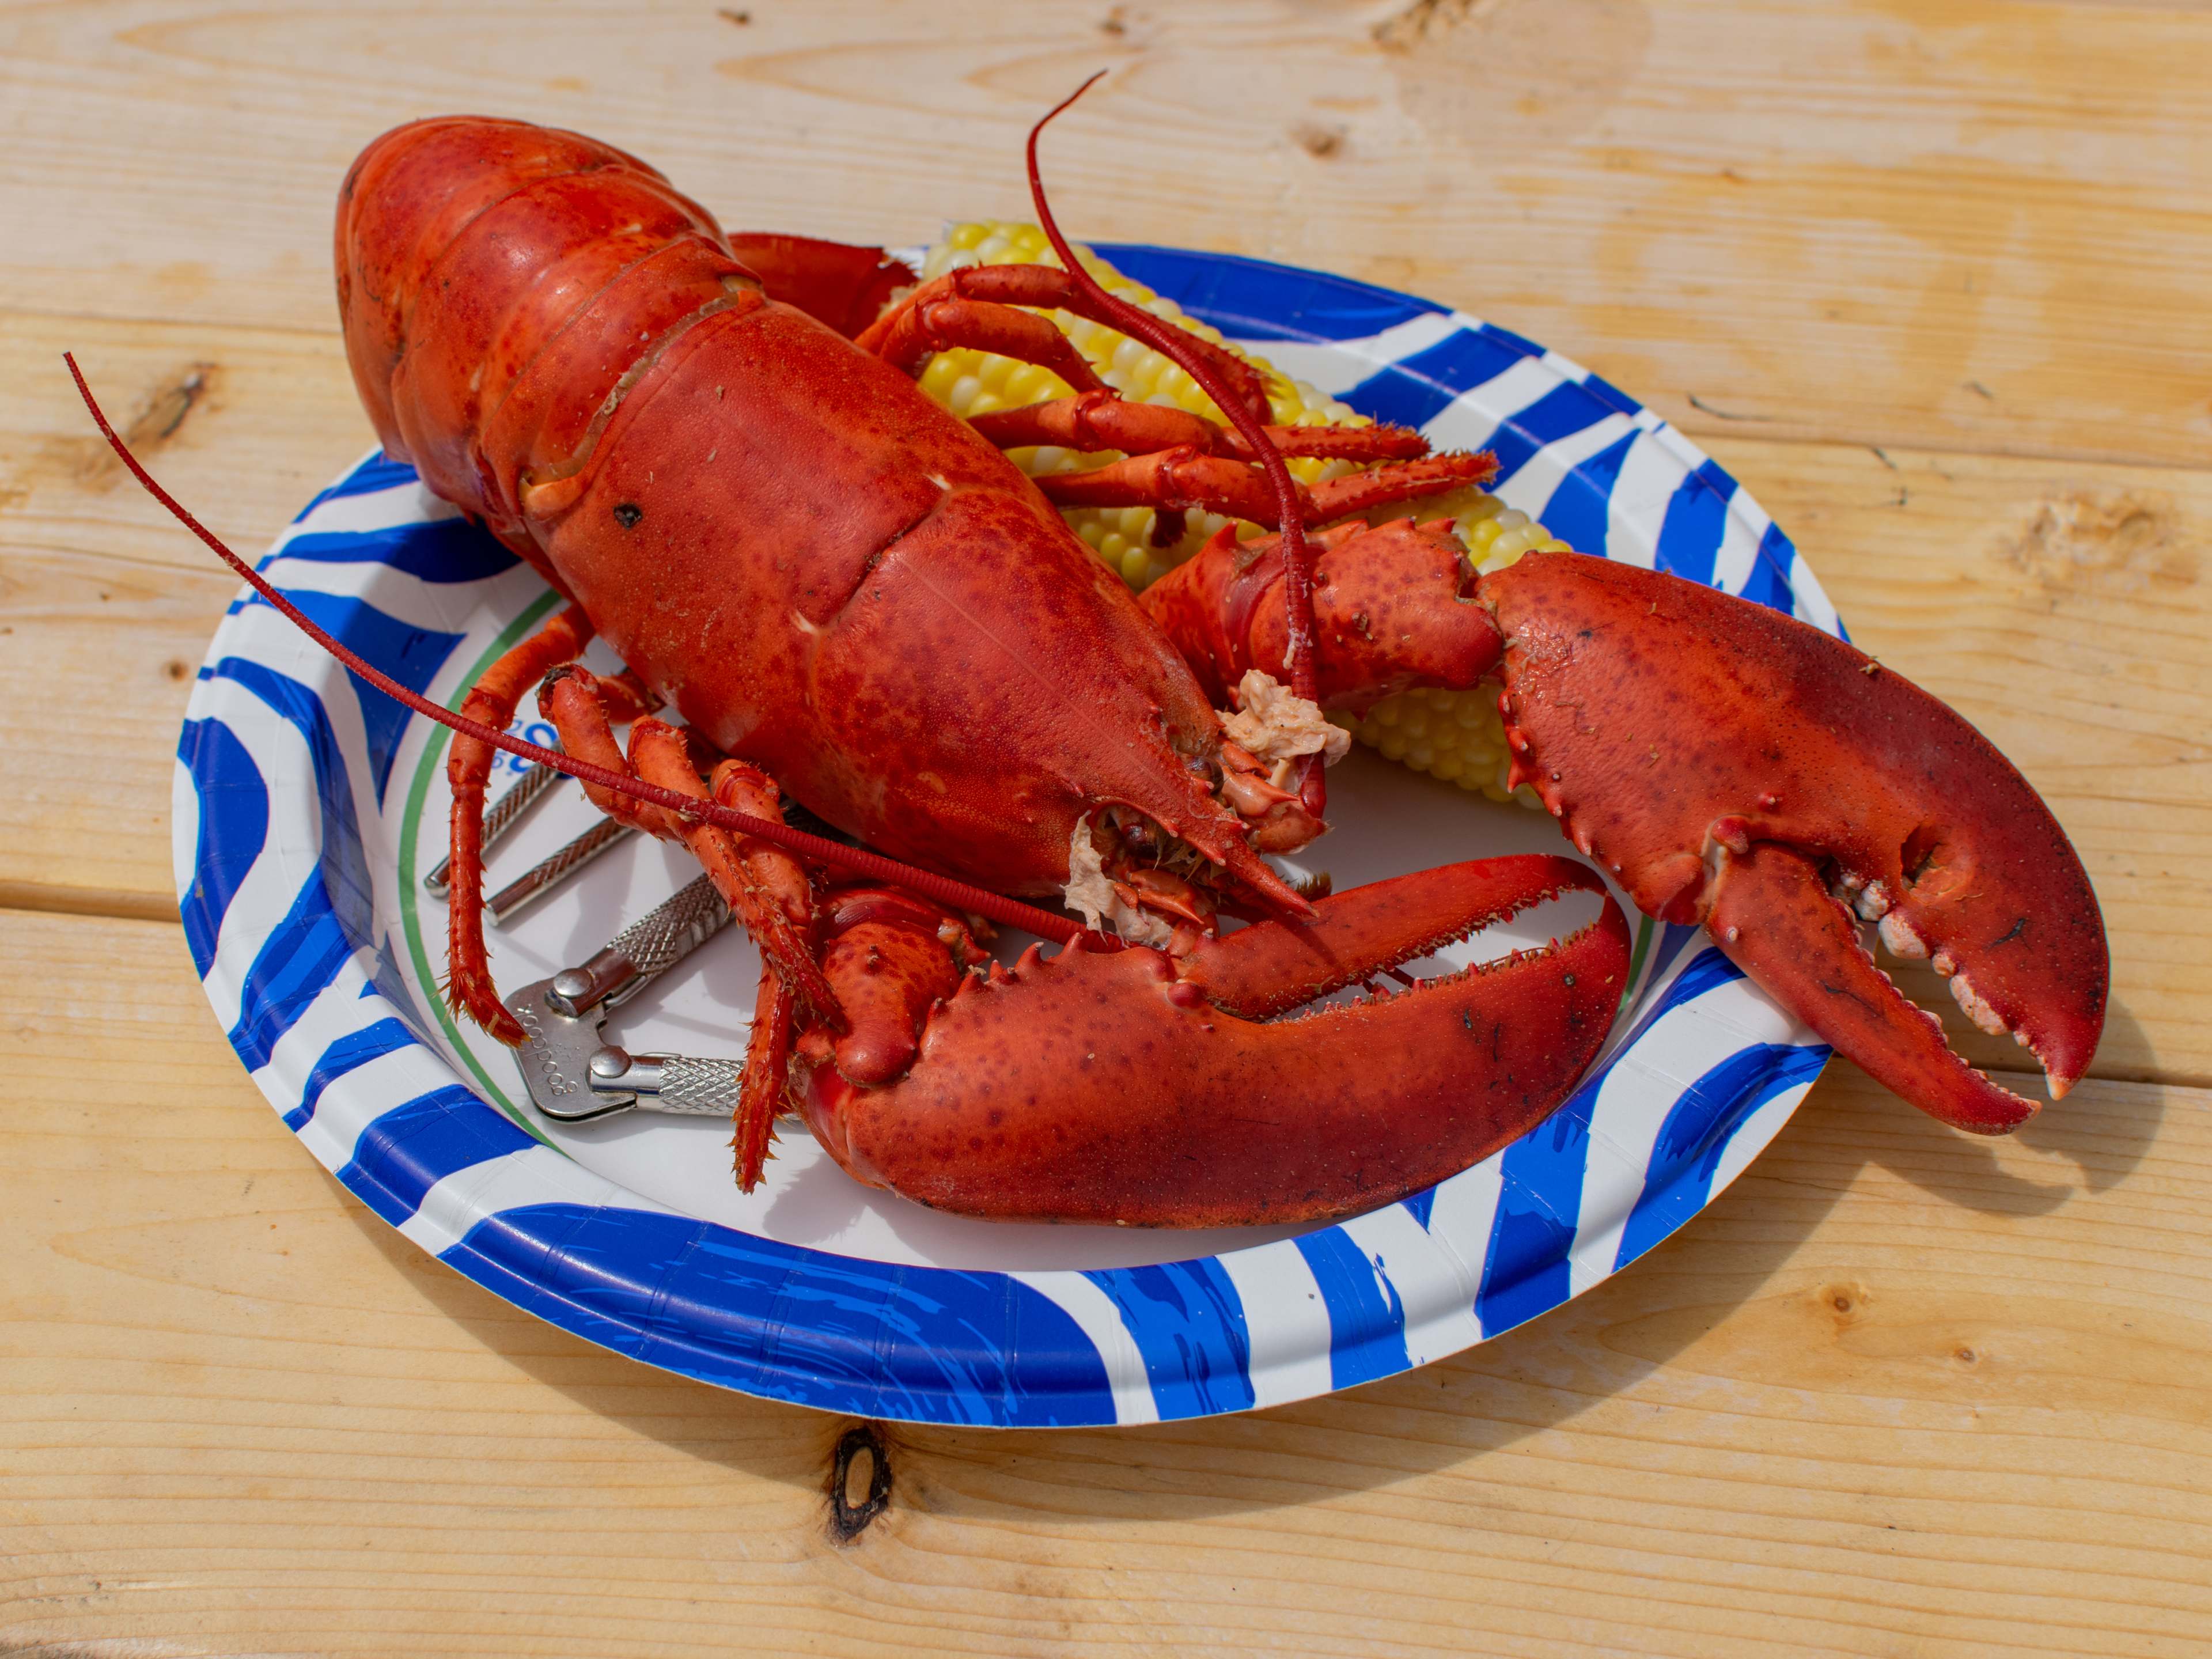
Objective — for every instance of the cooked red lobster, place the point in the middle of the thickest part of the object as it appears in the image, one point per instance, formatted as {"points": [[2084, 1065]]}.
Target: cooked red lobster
{"points": [[712, 446]]}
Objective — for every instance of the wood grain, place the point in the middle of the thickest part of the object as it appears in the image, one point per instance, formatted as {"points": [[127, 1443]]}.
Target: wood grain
{"points": [[1955, 223], [1927, 275], [106, 605], [1897, 1391]]}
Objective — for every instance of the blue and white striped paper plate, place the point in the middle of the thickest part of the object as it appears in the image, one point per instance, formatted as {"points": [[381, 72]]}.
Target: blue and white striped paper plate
{"points": [[306, 808]]}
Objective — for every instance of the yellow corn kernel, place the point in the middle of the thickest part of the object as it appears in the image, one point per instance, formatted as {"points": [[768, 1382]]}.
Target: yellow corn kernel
{"points": [[1128, 366]]}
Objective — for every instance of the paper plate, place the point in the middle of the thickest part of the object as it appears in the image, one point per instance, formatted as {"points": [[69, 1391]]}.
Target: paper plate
{"points": [[307, 808]]}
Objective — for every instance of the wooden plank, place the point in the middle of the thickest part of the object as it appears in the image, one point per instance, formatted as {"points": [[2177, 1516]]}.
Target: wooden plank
{"points": [[2058, 605], [1973, 224], [106, 605], [1899, 1391]]}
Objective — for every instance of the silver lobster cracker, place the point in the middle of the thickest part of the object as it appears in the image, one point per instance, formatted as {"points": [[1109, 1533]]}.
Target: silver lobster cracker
{"points": [[572, 1074]]}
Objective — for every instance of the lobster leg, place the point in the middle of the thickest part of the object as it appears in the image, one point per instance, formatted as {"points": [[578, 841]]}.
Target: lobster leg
{"points": [[583, 709], [1183, 479], [776, 1012], [1093, 421], [1046, 287], [1135, 1089], [491, 701], [918, 332], [762, 1092], [1408, 481], [764, 886]]}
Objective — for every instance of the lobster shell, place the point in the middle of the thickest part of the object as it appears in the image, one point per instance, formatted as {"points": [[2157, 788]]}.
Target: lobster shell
{"points": [[820, 568]]}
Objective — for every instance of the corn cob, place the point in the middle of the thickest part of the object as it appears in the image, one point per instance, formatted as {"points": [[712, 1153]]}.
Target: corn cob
{"points": [[1453, 735]]}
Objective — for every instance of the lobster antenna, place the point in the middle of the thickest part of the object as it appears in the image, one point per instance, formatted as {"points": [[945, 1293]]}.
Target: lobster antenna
{"points": [[861, 862], [1173, 344]]}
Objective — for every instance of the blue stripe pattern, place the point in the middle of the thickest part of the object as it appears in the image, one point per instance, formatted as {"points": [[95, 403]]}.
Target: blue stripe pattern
{"points": [[349, 1054], [372, 478], [410, 655], [1415, 390], [1367, 1320], [1189, 1325], [1580, 511], [327, 918], [1253, 300], [1525, 1270], [233, 827], [410, 1149], [1696, 1132], [926, 1343], [444, 551]]}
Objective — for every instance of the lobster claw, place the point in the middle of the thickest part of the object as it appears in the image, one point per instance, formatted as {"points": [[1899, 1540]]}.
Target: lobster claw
{"points": [[1733, 767], [1740, 768], [1139, 1089]]}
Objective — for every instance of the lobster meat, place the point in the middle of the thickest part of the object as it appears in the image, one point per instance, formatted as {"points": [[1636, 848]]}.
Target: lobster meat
{"points": [[713, 449]]}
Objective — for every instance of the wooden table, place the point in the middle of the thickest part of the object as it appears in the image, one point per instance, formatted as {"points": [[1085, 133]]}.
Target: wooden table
{"points": [[1928, 275]]}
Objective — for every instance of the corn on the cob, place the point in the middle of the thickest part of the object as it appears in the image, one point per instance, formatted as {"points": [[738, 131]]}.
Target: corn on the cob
{"points": [[1453, 735]]}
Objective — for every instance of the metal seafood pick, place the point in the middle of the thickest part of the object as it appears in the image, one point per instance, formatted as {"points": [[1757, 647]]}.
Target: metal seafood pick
{"points": [[572, 1074], [550, 873]]}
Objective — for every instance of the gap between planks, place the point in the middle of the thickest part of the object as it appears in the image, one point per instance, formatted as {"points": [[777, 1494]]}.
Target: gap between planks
{"points": [[39, 896]]}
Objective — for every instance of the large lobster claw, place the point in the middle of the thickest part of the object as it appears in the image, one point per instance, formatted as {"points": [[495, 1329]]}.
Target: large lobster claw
{"points": [[1141, 1088], [1732, 766], [1741, 768]]}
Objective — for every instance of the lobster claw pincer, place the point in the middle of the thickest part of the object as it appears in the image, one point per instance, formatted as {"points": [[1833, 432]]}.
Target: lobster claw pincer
{"points": [[1738, 768], [1135, 1088], [1733, 767]]}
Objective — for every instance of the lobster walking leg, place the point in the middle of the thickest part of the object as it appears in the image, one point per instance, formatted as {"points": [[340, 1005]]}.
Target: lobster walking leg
{"points": [[1045, 288], [1406, 481], [764, 885], [583, 709], [778, 879], [765, 1086], [942, 324], [660, 756], [1184, 479], [491, 701], [771, 895], [1093, 421]]}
